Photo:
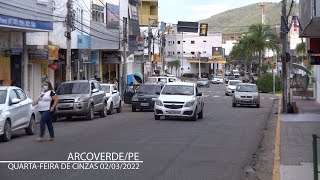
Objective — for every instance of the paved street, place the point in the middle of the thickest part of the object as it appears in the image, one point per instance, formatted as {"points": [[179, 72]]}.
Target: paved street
{"points": [[219, 146]]}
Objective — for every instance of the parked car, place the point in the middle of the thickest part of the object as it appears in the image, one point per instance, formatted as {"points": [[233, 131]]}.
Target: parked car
{"points": [[227, 78], [113, 97], [16, 112], [162, 79], [81, 98], [231, 86], [143, 97], [179, 99], [246, 94], [203, 82], [217, 80]]}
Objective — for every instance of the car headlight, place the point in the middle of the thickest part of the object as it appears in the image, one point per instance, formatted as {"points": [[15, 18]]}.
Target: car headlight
{"points": [[159, 102], [81, 99], [255, 97], [237, 96], [189, 103], [135, 99]]}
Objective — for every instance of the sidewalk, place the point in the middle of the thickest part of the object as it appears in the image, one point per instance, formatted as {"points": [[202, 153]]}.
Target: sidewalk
{"points": [[296, 140]]}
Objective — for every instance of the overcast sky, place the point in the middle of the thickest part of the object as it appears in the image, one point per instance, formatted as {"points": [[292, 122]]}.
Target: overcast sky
{"points": [[172, 11]]}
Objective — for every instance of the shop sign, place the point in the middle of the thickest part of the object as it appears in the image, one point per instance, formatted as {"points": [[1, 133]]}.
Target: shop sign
{"points": [[38, 54], [53, 52]]}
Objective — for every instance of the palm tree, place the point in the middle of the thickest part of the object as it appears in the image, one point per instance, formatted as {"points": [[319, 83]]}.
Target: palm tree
{"points": [[301, 52], [170, 65], [176, 65], [244, 50], [263, 38]]}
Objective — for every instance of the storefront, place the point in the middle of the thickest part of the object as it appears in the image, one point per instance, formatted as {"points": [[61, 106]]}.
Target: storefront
{"points": [[110, 66]]}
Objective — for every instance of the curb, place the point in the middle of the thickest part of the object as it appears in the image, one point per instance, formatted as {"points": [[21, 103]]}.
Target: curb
{"points": [[276, 159]]}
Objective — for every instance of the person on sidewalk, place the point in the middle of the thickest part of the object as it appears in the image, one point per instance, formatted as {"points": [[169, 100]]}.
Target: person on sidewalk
{"points": [[46, 102]]}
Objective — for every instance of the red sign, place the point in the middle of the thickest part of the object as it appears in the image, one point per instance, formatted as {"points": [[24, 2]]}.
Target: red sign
{"points": [[54, 66]]}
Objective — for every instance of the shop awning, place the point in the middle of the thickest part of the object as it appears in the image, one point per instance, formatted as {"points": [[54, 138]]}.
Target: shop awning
{"points": [[303, 68]]}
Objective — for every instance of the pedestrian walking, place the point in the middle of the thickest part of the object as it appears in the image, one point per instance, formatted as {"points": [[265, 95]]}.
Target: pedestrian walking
{"points": [[46, 102]]}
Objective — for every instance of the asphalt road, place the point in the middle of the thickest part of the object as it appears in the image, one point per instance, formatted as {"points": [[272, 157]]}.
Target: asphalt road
{"points": [[219, 146]]}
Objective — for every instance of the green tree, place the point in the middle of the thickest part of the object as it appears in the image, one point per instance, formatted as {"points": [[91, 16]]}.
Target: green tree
{"points": [[263, 38], [170, 65], [176, 65], [244, 51]]}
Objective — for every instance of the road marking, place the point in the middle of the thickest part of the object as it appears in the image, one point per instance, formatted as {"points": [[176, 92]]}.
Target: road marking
{"points": [[209, 91], [206, 95], [276, 159], [215, 96]]}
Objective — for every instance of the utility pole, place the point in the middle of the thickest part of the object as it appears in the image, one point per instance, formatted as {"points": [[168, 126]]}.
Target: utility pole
{"points": [[283, 58], [68, 35], [149, 42], [124, 66]]}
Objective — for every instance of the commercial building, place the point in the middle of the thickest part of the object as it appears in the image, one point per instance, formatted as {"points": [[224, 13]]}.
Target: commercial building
{"points": [[24, 60], [148, 10], [310, 23], [186, 47]]}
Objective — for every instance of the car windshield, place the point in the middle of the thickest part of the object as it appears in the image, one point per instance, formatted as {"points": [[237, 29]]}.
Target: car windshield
{"points": [[74, 88], [233, 83], [203, 79], [3, 95], [178, 90], [247, 88], [146, 89], [106, 88]]}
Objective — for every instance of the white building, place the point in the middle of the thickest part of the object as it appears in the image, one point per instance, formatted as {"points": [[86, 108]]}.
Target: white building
{"points": [[186, 47]]}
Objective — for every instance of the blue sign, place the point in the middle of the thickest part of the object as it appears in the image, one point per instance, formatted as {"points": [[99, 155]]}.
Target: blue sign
{"points": [[84, 41], [25, 23], [94, 57]]}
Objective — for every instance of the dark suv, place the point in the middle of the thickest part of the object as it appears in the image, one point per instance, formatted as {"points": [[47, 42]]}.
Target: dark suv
{"points": [[81, 98]]}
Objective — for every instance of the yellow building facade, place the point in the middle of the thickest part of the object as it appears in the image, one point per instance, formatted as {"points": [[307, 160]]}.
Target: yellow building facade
{"points": [[148, 9]]}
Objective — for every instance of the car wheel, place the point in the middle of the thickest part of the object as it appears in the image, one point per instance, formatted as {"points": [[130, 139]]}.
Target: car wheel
{"points": [[258, 106], [200, 115], [90, 115], [195, 116], [119, 108], [156, 117], [7, 132], [104, 111], [234, 104], [110, 109], [227, 94], [31, 129], [133, 108]]}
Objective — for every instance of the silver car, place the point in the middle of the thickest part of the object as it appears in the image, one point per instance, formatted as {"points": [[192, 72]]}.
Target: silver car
{"points": [[81, 98], [16, 112], [203, 82], [246, 94]]}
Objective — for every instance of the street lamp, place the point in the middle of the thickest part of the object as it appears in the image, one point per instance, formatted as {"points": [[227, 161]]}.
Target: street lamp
{"points": [[199, 53]]}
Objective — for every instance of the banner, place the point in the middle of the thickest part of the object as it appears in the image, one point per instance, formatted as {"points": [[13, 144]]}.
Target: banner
{"points": [[53, 52]]}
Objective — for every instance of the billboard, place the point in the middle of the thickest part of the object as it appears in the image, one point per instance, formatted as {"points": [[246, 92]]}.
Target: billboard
{"points": [[184, 26], [112, 13]]}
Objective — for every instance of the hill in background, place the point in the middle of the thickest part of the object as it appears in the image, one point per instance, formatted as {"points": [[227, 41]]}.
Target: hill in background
{"points": [[238, 20]]}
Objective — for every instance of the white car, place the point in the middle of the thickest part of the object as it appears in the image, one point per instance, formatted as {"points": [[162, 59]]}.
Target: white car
{"points": [[231, 86], [179, 99], [217, 80], [16, 112], [113, 97]]}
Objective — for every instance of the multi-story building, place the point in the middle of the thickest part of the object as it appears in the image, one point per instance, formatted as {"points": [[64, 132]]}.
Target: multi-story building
{"points": [[24, 59], [148, 13], [186, 47], [310, 23]]}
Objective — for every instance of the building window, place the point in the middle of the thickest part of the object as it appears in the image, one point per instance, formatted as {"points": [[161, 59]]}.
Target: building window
{"points": [[97, 13], [173, 53], [184, 52], [192, 52], [204, 41], [184, 41], [178, 52], [192, 42], [204, 52], [172, 42], [178, 42]]}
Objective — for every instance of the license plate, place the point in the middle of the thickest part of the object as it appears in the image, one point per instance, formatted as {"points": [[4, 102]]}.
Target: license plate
{"points": [[144, 104], [246, 100], [64, 106], [173, 112]]}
